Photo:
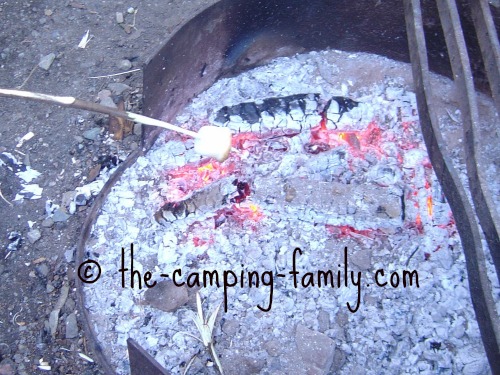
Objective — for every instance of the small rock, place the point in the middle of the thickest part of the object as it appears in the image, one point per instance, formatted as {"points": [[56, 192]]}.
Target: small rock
{"points": [[166, 296], [7, 367], [67, 198], [53, 321], [118, 88], [131, 10], [42, 270], [33, 235], [60, 216], [362, 259], [315, 348], [108, 102], [103, 94], [71, 326], [92, 134], [230, 327], [46, 61], [69, 255], [138, 129], [273, 347], [124, 64], [50, 288], [242, 365], [119, 17], [48, 222], [15, 239], [48, 12], [323, 320]]}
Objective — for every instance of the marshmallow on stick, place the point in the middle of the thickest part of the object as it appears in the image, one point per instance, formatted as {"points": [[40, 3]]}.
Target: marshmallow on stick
{"points": [[211, 141]]}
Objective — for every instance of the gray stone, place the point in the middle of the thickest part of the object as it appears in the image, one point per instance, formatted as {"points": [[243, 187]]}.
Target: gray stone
{"points": [[92, 134], [230, 327], [33, 235], [323, 320], [71, 326], [273, 347], [362, 259], [108, 102], [119, 17], [240, 364], [46, 61], [316, 349], [42, 269], [50, 288], [69, 255], [60, 216], [67, 198], [48, 222], [138, 129], [7, 367], [166, 296], [124, 64], [118, 88], [53, 321], [103, 94]]}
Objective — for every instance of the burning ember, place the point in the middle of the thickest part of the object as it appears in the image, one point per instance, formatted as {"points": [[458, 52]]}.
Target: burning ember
{"points": [[319, 167]]}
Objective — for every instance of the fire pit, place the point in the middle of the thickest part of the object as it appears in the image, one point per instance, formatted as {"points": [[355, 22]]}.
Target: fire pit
{"points": [[325, 236]]}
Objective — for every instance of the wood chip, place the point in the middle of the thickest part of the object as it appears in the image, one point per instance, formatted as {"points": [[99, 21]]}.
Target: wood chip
{"points": [[120, 127]]}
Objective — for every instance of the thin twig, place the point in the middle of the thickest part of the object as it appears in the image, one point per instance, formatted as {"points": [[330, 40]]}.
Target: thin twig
{"points": [[118, 74], [6, 201], [27, 79]]}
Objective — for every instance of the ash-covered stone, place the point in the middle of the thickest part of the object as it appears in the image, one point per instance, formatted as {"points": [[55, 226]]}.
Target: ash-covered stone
{"points": [[316, 349], [166, 296]]}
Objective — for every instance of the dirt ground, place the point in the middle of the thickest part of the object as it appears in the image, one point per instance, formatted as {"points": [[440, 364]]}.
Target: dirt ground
{"points": [[67, 148]]}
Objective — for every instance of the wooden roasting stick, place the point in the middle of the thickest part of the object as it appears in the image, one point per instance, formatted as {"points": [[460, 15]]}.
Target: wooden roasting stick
{"points": [[211, 141]]}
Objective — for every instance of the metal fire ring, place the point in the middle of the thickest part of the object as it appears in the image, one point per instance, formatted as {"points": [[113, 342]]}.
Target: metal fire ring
{"points": [[235, 35]]}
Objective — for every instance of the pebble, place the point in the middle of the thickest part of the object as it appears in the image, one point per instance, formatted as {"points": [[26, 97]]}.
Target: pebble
{"points": [[92, 134], [118, 88], [71, 326], [69, 255], [103, 94], [315, 348], [108, 102], [48, 222], [46, 61], [67, 198], [362, 259], [137, 129], [119, 17], [7, 367], [166, 296], [124, 64], [60, 216], [53, 321], [33, 235], [42, 270]]}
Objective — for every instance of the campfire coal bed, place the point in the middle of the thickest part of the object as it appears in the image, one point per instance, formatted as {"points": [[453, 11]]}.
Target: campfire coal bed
{"points": [[324, 160]]}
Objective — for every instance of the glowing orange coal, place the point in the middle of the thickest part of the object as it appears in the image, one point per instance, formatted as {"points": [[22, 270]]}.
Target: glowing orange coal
{"points": [[190, 177], [359, 142], [429, 206], [343, 231]]}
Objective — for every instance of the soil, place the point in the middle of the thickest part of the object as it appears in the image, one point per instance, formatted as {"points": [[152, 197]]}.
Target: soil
{"points": [[33, 276]]}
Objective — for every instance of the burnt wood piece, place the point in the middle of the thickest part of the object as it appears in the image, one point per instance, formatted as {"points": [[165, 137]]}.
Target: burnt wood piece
{"points": [[141, 363], [250, 111], [465, 218]]}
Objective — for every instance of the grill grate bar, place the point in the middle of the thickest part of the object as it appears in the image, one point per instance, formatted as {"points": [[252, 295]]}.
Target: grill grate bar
{"points": [[479, 284]]}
